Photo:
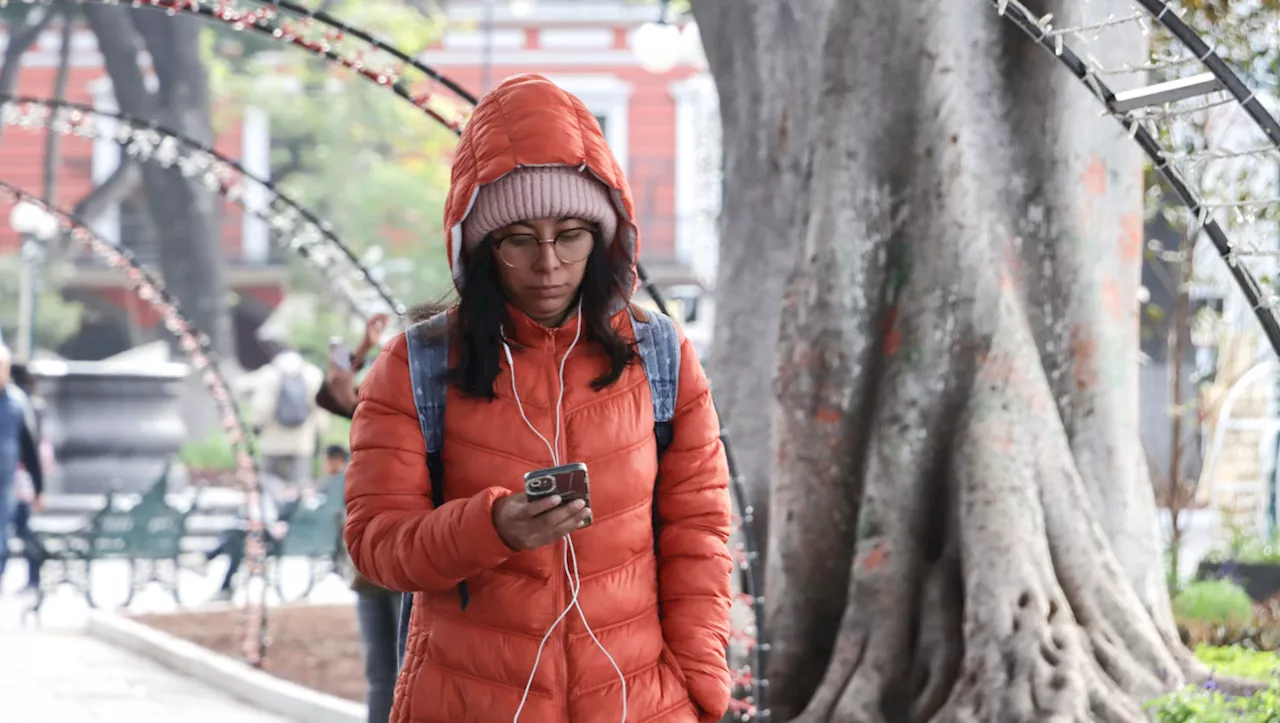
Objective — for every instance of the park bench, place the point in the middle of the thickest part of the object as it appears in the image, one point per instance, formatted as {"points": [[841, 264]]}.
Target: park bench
{"points": [[314, 533], [153, 531], [150, 531]]}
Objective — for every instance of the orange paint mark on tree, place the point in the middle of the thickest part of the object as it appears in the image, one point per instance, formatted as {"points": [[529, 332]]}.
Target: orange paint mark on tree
{"points": [[827, 415], [1131, 237], [1095, 176], [1112, 299], [875, 558], [1084, 357]]}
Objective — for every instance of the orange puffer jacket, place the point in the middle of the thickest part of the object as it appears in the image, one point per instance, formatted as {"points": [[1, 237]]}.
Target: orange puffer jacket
{"points": [[663, 619]]}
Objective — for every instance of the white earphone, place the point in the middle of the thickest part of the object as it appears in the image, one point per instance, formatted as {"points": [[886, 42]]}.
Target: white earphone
{"points": [[570, 558]]}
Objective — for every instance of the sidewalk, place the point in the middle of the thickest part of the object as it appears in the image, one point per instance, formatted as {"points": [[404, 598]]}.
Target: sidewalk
{"points": [[63, 675]]}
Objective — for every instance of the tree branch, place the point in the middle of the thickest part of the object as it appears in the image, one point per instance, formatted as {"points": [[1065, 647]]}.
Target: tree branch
{"points": [[118, 44], [52, 139], [19, 42], [121, 184]]}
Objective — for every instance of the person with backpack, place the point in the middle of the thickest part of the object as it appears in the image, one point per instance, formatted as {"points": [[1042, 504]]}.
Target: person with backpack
{"points": [[610, 608], [284, 410]]}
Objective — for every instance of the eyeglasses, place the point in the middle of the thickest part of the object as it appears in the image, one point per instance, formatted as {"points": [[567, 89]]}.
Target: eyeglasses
{"points": [[522, 250]]}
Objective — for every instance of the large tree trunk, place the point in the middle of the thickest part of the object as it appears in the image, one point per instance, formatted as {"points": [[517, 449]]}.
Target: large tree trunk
{"points": [[184, 213], [962, 527]]}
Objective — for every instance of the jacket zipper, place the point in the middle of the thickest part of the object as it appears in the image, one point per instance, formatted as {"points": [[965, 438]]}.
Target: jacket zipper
{"points": [[561, 579]]}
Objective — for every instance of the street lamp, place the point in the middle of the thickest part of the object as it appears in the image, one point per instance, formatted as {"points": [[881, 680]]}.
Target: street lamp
{"points": [[657, 46], [661, 45], [35, 227]]}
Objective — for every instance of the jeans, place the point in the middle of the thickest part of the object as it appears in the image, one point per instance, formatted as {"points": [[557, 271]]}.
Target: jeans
{"points": [[231, 543], [377, 611], [7, 505]]}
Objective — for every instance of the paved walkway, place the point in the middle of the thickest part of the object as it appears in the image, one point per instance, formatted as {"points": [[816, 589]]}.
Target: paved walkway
{"points": [[63, 675]]}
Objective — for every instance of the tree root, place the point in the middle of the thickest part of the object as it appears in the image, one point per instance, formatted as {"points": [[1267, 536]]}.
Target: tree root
{"points": [[1025, 615]]}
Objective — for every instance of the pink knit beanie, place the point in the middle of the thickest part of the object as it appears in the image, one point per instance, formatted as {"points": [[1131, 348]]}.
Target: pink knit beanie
{"points": [[541, 192]]}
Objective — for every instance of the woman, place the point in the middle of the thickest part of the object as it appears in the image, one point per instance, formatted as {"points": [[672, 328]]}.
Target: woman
{"points": [[544, 372]]}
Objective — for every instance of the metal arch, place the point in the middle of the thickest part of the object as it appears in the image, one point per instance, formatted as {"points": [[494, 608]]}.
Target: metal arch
{"points": [[1028, 23], [1214, 63], [259, 20], [11, 113], [196, 347]]}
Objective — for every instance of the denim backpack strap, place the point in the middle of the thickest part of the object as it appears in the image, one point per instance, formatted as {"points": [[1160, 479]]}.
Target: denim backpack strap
{"points": [[428, 345], [658, 344]]}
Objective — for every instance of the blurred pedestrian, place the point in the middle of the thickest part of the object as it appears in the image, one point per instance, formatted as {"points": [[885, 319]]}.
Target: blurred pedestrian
{"points": [[18, 446]]}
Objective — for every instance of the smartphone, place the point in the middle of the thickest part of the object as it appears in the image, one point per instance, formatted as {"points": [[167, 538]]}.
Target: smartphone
{"points": [[570, 481], [339, 354]]}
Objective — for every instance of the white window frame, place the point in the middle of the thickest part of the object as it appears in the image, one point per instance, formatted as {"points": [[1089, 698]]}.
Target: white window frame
{"points": [[608, 96], [697, 189]]}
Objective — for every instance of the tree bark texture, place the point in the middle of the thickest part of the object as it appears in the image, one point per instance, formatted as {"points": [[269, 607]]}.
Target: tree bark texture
{"points": [[961, 523], [184, 213]]}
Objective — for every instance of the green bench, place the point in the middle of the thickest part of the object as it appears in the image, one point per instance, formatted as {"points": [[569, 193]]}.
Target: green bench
{"points": [[314, 533], [148, 534]]}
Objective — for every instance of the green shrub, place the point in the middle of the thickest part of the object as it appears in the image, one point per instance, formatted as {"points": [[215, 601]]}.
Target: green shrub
{"points": [[1238, 661], [212, 452], [1246, 547], [1216, 602], [1196, 704], [1205, 704]]}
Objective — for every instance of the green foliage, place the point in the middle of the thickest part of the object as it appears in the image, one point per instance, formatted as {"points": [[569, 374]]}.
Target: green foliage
{"points": [[1218, 602], [210, 453], [370, 164], [1238, 661], [339, 432], [1247, 548], [57, 319], [1206, 704]]}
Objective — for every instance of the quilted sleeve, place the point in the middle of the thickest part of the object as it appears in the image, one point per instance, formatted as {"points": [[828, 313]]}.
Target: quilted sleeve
{"points": [[394, 536], [694, 566]]}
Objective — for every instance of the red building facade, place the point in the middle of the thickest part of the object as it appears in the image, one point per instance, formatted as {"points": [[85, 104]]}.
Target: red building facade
{"points": [[662, 127]]}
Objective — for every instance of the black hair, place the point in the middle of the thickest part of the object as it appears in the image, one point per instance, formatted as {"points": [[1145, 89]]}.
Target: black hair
{"points": [[425, 310], [336, 451], [482, 311]]}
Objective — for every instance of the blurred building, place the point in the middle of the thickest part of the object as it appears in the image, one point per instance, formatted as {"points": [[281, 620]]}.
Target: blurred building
{"points": [[663, 126], [116, 319]]}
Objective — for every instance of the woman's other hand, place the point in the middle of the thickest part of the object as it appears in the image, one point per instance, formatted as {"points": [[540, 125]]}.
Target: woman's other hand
{"points": [[373, 329], [526, 525]]}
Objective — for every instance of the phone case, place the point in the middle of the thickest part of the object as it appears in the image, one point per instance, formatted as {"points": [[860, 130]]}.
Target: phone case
{"points": [[570, 481]]}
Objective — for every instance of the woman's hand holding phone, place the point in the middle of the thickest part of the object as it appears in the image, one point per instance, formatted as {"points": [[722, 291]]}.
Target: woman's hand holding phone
{"points": [[526, 525]]}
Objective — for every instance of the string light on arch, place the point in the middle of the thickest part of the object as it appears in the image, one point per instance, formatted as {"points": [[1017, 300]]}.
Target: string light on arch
{"points": [[1209, 174], [319, 33], [296, 228], [204, 361]]}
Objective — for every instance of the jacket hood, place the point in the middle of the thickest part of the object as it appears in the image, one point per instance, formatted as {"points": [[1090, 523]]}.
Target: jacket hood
{"points": [[528, 121]]}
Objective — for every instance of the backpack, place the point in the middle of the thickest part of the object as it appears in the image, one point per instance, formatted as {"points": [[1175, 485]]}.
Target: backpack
{"points": [[293, 403], [657, 344]]}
